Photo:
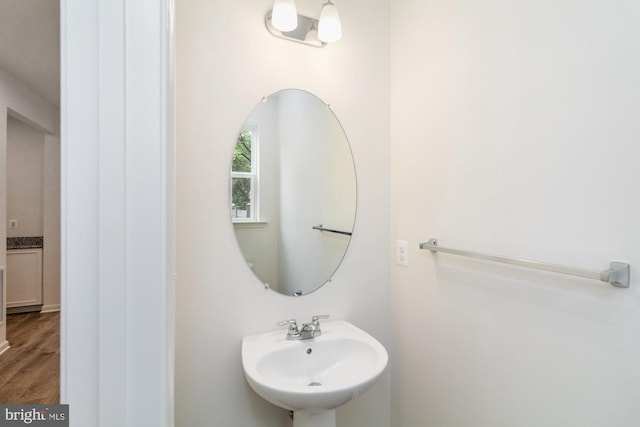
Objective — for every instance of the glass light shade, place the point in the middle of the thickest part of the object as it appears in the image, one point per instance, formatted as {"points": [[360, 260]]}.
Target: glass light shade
{"points": [[329, 27], [284, 15]]}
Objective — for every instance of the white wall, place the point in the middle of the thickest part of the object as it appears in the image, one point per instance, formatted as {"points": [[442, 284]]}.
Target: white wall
{"points": [[25, 181], [226, 62], [28, 105], [515, 131]]}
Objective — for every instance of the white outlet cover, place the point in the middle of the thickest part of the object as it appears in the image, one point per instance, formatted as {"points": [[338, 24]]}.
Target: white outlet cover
{"points": [[402, 253]]}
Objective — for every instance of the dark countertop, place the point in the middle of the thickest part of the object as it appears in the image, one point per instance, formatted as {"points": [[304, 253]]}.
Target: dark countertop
{"points": [[24, 242]]}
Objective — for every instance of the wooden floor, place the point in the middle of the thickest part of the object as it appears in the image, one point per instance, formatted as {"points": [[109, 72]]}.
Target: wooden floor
{"points": [[30, 369]]}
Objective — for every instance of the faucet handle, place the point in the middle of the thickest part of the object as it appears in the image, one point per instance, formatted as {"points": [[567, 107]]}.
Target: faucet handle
{"points": [[317, 317], [293, 325]]}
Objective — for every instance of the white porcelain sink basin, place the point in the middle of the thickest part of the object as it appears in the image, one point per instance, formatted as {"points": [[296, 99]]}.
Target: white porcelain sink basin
{"points": [[317, 374]]}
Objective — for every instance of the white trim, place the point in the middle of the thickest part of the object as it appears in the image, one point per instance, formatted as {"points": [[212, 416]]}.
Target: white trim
{"points": [[250, 224], [4, 346], [51, 308], [117, 216], [3, 302]]}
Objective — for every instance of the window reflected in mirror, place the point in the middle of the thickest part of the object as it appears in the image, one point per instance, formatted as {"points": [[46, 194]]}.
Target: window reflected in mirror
{"points": [[244, 176]]}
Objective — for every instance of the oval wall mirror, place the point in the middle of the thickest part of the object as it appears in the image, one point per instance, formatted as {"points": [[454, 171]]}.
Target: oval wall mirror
{"points": [[292, 192]]}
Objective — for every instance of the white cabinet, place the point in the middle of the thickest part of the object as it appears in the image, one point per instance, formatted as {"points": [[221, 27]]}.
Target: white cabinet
{"points": [[24, 277]]}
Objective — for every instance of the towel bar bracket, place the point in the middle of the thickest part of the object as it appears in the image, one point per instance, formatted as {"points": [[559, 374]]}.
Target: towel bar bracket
{"points": [[617, 274]]}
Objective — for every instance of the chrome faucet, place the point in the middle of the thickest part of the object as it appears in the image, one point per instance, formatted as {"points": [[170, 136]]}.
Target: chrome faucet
{"points": [[306, 331]]}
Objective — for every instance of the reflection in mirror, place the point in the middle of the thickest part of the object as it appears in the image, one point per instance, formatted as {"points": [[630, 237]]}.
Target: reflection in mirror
{"points": [[292, 192]]}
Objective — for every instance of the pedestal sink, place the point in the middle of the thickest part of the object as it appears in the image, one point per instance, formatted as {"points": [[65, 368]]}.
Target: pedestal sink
{"points": [[313, 377]]}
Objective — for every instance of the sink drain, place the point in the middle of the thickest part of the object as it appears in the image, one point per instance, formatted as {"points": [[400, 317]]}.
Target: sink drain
{"points": [[314, 383]]}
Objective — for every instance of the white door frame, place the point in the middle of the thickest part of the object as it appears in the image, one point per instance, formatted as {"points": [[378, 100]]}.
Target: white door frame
{"points": [[117, 212]]}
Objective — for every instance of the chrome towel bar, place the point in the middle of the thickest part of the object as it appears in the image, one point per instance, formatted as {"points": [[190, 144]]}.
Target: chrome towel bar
{"points": [[617, 274]]}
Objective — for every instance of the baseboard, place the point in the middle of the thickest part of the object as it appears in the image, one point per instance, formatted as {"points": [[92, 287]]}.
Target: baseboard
{"points": [[50, 308], [4, 346], [23, 309]]}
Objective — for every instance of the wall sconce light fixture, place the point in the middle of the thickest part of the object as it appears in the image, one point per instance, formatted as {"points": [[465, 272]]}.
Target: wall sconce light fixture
{"points": [[284, 22], [284, 15], [329, 27]]}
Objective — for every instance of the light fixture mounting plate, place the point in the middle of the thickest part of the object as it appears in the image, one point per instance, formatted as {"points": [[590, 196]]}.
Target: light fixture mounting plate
{"points": [[306, 32]]}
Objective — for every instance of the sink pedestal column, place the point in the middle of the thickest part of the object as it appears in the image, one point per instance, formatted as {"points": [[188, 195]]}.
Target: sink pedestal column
{"points": [[314, 419]]}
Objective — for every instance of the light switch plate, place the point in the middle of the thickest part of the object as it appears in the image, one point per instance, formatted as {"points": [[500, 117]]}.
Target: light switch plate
{"points": [[13, 224]]}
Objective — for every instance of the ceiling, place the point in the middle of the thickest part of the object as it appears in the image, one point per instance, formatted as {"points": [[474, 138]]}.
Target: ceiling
{"points": [[30, 44]]}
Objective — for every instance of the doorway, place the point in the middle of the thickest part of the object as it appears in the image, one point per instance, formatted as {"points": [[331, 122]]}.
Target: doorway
{"points": [[30, 171]]}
